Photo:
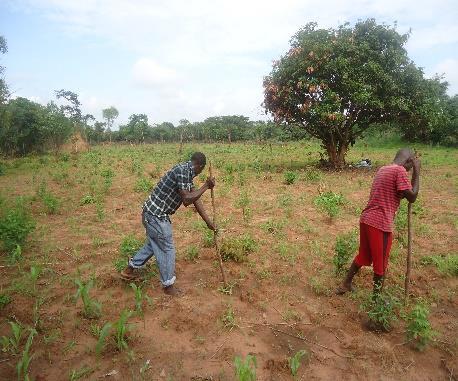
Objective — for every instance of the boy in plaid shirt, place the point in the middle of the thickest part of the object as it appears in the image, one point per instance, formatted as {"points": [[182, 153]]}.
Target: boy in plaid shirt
{"points": [[390, 185]]}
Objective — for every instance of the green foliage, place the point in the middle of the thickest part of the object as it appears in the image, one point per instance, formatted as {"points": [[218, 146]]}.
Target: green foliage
{"points": [[88, 199], [91, 308], [381, 309], [312, 175], [139, 298], [228, 319], [329, 202], [290, 177], [103, 335], [50, 202], [11, 343], [76, 374], [400, 220], [245, 370], [273, 227], [346, 245], [35, 272], [4, 300], [15, 225], [143, 184], [122, 328], [192, 253], [208, 238], [243, 202], [295, 361], [419, 329], [22, 367], [446, 264], [237, 249], [129, 246]]}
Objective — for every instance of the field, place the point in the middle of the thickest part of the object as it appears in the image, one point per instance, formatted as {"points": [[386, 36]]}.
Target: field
{"points": [[281, 245]]}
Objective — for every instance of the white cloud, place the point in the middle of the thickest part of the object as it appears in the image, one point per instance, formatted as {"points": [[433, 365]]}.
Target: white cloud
{"points": [[448, 68], [147, 72]]}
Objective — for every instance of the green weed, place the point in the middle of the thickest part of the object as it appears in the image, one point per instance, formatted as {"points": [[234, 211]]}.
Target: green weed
{"points": [[88, 199], [330, 203], [419, 329], [228, 319], [143, 185], [346, 245], [381, 309], [51, 202], [129, 246], [237, 249], [192, 253], [76, 374], [4, 300], [243, 202], [290, 177], [245, 370], [273, 227], [446, 264]]}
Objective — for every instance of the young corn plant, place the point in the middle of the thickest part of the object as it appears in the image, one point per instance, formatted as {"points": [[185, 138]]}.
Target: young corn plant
{"points": [[91, 308], [245, 370], [122, 328], [228, 319], [419, 330], [35, 272], [11, 343], [295, 362], [103, 335], [140, 296], [22, 367]]}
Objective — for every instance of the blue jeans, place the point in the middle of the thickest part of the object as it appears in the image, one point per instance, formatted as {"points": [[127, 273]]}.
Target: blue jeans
{"points": [[159, 242]]}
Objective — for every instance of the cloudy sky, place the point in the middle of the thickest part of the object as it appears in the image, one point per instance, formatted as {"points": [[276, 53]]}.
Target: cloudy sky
{"points": [[179, 59]]}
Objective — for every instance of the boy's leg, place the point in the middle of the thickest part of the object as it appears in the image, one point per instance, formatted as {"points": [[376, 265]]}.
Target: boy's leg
{"points": [[380, 246]]}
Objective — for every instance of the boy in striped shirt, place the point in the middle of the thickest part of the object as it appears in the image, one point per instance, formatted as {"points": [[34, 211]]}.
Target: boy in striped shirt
{"points": [[390, 185]]}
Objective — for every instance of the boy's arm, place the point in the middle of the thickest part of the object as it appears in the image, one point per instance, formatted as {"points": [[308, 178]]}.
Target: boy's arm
{"points": [[189, 197], [411, 194]]}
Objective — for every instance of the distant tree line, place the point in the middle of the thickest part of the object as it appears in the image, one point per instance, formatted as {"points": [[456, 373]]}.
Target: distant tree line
{"points": [[27, 126]]}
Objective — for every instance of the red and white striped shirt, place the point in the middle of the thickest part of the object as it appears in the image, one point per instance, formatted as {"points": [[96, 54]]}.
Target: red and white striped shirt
{"points": [[385, 197]]}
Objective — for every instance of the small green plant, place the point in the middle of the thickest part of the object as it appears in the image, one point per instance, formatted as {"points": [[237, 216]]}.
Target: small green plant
{"points": [[35, 272], [330, 203], [312, 175], [346, 245], [237, 249], [227, 289], [295, 362], [15, 225], [103, 335], [51, 202], [446, 264], [129, 246], [228, 318], [290, 177], [208, 238], [76, 374], [140, 296], [143, 184], [88, 199], [4, 300], [122, 327], [419, 329], [91, 308], [381, 310], [22, 367], [273, 227], [245, 370], [243, 202], [192, 253], [11, 343]]}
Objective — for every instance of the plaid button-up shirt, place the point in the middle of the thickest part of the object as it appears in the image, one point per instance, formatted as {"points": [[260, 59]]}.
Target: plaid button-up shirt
{"points": [[165, 198]]}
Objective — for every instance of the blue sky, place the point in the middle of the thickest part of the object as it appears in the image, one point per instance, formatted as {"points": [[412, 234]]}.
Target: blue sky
{"points": [[190, 59]]}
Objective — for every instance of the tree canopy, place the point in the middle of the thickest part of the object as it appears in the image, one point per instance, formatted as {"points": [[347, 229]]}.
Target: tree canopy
{"points": [[335, 83]]}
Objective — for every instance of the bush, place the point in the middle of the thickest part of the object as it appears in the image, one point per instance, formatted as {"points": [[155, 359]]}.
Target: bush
{"points": [[419, 329], [381, 310], [237, 249], [15, 225], [290, 177], [329, 202], [346, 245], [129, 246]]}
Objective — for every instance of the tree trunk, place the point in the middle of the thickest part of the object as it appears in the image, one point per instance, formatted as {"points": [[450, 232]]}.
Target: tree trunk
{"points": [[336, 154]]}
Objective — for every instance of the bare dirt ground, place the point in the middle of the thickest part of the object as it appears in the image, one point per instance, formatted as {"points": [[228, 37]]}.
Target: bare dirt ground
{"points": [[282, 297]]}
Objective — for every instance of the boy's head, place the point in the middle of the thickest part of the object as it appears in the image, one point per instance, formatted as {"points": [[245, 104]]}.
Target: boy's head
{"points": [[198, 160], [405, 157]]}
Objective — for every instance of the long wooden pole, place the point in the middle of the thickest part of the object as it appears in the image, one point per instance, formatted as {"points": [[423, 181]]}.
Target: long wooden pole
{"points": [[215, 233], [409, 250]]}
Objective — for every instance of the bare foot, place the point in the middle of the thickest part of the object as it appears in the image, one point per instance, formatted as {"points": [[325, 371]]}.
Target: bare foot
{"points": [[344, 288], [172, 291]]}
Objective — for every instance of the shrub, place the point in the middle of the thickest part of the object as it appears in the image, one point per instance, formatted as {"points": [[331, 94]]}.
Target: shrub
{"points": [[129, 246], [245, 370], [290, 177], [329, 202], [346, 245], [419, 329], [15, 225], [237, 249]]}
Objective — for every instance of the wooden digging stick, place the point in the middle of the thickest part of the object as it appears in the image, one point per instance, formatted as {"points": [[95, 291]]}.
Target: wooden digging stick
{"points": [[409, 250], [215, 233]]}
